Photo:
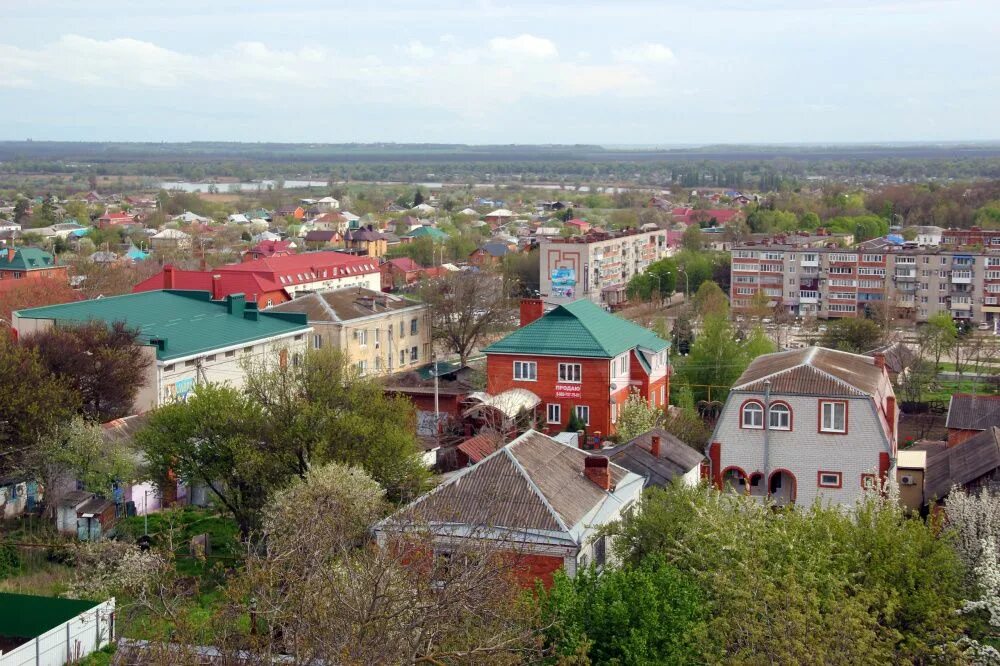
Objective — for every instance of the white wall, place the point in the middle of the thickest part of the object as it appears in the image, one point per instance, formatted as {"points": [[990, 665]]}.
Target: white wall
{"points": [[69, 642]]}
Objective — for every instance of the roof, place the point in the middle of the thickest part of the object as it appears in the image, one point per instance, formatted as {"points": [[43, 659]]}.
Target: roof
{"points": [[480, 446], [269, 247], [75, 498], [510, 403], [186, 322], [26, 259], [171, 234], [579, 329], [344, 304], [676, 458], [533, 483], [813, 371], [37, 615], [363, 234], [962, 464], [973, 412], [898, 356], [496, 248], [430, 232], [404, 264], [321, 236]]}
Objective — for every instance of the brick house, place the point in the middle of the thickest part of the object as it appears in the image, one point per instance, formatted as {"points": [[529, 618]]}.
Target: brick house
{"points": [[969, 415], [269, 248], [29, 263], [400, 273], [541, 501], [579, 357], [806, 424], [490, 254]]}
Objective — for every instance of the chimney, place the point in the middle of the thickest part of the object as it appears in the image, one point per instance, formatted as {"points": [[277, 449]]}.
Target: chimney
{"points": [[236, 304], [10, 253], [597, 469], [654, 446], [531, 309], [168, 276], [879, 360], [217, 288]]}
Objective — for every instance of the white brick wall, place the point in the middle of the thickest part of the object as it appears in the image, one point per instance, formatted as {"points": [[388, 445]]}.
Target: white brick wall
{"points": [[804, 451]]}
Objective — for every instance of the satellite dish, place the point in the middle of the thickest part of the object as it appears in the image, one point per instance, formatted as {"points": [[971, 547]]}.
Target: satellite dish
{"points": [[614, 387]]}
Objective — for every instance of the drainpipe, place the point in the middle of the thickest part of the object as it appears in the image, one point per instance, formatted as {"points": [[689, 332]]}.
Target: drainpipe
{"points": [[767, 444]]}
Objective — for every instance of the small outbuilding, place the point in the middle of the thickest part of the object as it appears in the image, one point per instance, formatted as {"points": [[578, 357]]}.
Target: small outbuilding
{"points": [[86, 515]]}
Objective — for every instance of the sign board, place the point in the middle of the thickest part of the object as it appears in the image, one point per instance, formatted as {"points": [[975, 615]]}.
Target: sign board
{"points": [[569, 390], [563, 281]]}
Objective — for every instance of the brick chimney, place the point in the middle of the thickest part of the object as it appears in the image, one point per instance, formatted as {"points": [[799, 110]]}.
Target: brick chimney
{"points": [[879, 360], [531, 309], [217, 294], [597, 469], [10, 253], [168, 276], [654, 446]]}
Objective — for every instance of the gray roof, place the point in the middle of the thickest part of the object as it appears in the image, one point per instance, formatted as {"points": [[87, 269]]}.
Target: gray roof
{"points": [[533, 483], [676, 458], [344, 304], [973, 412], [962, 464], [898, 356], [813, 371]]}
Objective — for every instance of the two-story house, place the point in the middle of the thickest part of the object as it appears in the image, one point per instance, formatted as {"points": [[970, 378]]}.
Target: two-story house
{"points": [[579, 358], [806, 424]]}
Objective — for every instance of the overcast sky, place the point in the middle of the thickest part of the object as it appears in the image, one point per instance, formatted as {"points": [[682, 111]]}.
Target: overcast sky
{"points": [[615, 72]]}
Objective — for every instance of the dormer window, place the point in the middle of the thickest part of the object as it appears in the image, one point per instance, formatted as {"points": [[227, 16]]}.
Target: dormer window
{"points": [[752, 415]]}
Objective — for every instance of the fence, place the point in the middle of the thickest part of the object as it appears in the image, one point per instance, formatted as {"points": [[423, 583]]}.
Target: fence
{"points": [[69, 641]]}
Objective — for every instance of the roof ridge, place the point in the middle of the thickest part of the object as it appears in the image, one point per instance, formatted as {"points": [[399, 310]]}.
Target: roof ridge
{"points": [[531, 483]]}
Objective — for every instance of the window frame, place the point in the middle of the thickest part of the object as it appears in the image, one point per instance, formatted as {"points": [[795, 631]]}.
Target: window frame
{"points": [[586, 408], [565, 374], [520, 376], [788, 412], [549, 409], [869, 481], [822, 408], [743, 410], [819, 479]]}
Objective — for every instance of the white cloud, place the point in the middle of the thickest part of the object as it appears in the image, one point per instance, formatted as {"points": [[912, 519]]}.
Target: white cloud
{"points": [[643, 53], [417, 49], [523, 46]]}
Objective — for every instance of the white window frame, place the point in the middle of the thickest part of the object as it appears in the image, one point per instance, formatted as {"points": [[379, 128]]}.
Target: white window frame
{"points": [[758, 410], [583, 413], [824, 425], [838, 483], [522, 370], [776, 409], [553, 413], [317, 341], [570, 373]]}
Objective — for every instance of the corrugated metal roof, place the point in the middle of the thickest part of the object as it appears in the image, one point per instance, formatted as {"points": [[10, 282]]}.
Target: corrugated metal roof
{"points": [[962, 464], [344, 304], [676, 458], [973, 412], [814, 371], [580, 329], [480, 446]]}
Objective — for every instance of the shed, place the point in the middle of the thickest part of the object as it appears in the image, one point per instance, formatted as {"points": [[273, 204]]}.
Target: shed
{"points": [[85, 514]]}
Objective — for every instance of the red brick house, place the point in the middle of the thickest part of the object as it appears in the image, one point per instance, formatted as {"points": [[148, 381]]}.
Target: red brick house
{"points": [[541, 502], [580, 226], [400, 273], [110, 219], [579, 358], [490, 254], [30, 263], [269, 248]]}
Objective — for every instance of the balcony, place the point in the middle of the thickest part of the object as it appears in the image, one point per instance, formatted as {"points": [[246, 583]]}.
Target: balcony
{"points": [[906, 274], [961, 305], [961, 277], [906, 302], [809, 263], [961, 314], [809, 297]]}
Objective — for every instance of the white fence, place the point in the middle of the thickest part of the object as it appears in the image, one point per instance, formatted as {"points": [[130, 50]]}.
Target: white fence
{"points": [[69, 642]]}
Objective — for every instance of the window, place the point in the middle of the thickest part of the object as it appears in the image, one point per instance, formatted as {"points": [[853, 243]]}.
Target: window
{"points": [[780, 417], [362, 337], [753, 415], [299, 337], [583, 413], [192, 362], [413, 326], [317, 341], [868, 482], [402, 329], [600, 552], [525, 371], [833, 416], [553, 413], [614, 412], [211, 357], [362, 367], [270, 302], [296, 360], [829, 479], [402, 357], [168, 368], [231, 353], [569, 372], [414, 354]]}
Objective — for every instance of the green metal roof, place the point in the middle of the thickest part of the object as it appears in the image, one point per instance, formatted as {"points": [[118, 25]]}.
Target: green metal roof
{"points": [[30, 616], [580, 328], [26, 259], [186, 322], [435, 234]]}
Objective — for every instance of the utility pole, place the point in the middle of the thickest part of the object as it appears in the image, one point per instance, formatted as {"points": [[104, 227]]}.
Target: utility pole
{"points": [[437, 410]]}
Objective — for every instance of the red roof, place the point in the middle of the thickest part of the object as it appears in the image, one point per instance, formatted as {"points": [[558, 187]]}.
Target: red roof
{"points": [[480, 446], [406, 264], [270, 247], [117, 217], [576, 222]]}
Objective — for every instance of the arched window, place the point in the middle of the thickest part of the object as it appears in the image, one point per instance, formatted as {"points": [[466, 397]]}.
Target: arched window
{"points": [[753, 415], [781, 417]]}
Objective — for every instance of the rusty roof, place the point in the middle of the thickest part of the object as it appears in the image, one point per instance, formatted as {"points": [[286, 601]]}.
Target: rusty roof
{"points": [[481, 445], [973, 412], [344, 304], [814, 371], [533, 483], [962, 464]]}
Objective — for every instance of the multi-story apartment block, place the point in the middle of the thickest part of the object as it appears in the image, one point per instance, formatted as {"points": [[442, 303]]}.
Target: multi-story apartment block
{"points": [[597, 265], [833, 282]]}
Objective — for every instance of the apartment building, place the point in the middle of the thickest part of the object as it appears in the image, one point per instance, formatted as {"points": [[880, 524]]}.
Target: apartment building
{"points": [[832, 282], [597, 265]]}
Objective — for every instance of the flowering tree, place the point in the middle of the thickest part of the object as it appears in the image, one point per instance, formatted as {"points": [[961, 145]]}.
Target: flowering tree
{"points": [[975, 520], [636, 417]]}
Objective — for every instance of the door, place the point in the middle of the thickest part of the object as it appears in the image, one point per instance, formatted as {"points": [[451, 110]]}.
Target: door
{"points": [[82, 528]]}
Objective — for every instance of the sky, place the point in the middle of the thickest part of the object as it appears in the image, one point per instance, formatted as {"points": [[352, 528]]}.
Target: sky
{"points": [[645, 72]]}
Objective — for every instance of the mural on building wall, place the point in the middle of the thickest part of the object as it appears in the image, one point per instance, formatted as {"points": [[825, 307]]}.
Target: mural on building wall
{"points": [[563, 281]]}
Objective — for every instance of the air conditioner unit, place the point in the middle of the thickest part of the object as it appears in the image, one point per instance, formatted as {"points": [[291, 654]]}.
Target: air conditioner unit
{"points": [[907, 480]]}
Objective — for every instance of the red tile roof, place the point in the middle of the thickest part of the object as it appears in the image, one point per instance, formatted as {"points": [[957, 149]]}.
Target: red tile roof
{"points": [[270, 247], [406, 264]]}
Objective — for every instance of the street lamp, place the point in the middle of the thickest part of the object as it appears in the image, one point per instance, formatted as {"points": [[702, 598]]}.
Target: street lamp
{"points": [[687, 283]]}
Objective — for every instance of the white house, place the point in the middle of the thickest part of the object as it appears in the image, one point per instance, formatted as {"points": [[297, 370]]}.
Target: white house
{"points": [[806, 424], [929, 235]]}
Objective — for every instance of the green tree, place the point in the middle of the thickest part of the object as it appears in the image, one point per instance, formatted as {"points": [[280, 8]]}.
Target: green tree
{"points": [[21, 208], [418, 197], [650, 614], [937, 337], [856, 335], [710, 300], [717, 358], [693, 238], [657, 281], [636, 416]]}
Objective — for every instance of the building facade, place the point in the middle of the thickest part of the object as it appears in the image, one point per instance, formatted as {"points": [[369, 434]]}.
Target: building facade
{"points": [[596, 266], [833, 282], [29, 263], [379, 333], [579, 358], [188, 338], [806, 424]]}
